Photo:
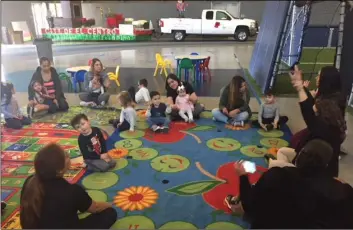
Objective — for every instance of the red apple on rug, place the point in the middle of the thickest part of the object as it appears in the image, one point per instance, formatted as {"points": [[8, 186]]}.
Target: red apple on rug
{"points": [[174, 134], [215, 197]]}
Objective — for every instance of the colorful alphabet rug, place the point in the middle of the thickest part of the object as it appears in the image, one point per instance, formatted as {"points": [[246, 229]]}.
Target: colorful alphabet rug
{"points": [[96, 116], [18, 149], [179, 180]]}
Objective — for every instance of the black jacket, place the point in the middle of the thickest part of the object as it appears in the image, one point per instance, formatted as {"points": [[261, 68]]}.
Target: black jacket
{"points": [[288, 198], [318, 129], [37, 76]]}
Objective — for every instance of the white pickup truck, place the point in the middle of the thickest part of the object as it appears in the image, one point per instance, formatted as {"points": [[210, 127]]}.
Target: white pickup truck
{"points": [[213, 23]]}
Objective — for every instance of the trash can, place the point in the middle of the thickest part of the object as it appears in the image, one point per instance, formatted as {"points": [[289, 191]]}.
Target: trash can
{"points": [[44, 48]]}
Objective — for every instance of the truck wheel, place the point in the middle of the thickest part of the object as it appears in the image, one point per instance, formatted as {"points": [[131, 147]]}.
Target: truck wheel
{"points": [[241, 34], [179, 36]]}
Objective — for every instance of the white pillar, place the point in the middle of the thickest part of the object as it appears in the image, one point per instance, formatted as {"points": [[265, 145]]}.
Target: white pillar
{"points": [[66, 9]]}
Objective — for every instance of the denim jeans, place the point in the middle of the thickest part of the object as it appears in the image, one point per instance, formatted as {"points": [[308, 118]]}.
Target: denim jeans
{"points": [[219, 116], [163, 121], [99, 165]]}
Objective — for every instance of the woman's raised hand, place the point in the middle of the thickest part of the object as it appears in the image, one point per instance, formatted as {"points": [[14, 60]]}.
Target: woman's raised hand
{"points": [[296, 74]]}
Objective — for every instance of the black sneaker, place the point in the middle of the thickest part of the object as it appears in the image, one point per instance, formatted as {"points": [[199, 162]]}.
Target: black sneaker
{"points": [[269, 127], [269, 156], [165, 129]]}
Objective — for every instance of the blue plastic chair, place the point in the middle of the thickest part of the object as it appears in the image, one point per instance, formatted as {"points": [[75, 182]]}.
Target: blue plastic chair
{"points": [[194, 54], [79, 77]]}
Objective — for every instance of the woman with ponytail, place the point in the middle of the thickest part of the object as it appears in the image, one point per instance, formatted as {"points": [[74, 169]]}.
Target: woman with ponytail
{"points": [[49, 201]]}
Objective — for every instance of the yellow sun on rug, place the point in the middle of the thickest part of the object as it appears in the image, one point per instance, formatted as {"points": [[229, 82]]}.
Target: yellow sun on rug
{"points": [[135, 198], [118, 153]]}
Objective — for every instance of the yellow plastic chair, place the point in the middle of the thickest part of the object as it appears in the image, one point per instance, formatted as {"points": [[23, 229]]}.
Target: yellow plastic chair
{"points": [[115, 77], [162, 64]]}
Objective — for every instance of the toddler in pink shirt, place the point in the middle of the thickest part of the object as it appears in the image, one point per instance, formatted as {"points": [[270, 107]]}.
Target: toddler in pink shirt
{"points": [[184, 104]]}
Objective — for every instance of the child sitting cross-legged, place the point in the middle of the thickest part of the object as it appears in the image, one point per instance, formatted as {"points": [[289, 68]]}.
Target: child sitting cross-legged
{"points": [[128, 116], [142, 96], [42, 100], [92, 145], [14, 118], [156, 114], [269, 116]]}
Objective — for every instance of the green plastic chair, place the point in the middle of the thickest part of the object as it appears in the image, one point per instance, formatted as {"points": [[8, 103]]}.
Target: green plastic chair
{"points": [[65, 77], [187, 65]]}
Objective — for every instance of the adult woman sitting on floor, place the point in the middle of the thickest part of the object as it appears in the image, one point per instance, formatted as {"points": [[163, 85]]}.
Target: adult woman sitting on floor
{"points": [[234, 103], [49, 201], [301, 197], [95, 71], [328, 83], [47, 76], [322, 115], [171, 85]]}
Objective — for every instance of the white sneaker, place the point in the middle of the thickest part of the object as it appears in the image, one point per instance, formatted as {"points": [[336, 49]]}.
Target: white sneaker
{"points": [[191, 120], [238, 123], [103, 103], [155, 128], [186, 119], [83, 103]]}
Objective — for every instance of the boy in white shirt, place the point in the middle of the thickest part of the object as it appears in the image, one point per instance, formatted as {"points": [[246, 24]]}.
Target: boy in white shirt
{"points": [[142, 95]]}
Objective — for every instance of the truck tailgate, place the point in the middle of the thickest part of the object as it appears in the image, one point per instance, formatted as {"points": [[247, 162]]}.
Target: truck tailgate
{"points": [[189, 25]]}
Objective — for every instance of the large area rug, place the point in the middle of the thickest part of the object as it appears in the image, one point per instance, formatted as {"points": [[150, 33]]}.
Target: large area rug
{"points": [[179, 180], [162, 181], [18, 149], [97, 117]]}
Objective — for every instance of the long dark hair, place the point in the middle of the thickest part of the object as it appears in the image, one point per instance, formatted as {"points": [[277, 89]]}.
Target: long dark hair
{"points": [[43, 59], [49, 162], [330, 113], [173, 77], [234, 90], [6, 93], [330, 87], [94, 60]]}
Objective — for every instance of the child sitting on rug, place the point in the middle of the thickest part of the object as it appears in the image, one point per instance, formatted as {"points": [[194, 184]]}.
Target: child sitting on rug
{"points": [[269, 116], [184, 104], [156, 114], [96, 89], [92, 145], [14, 118], [128, 116], [42, 100], [142, 95]]}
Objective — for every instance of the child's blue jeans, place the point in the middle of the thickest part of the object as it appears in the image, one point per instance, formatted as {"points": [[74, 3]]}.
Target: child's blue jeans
{"points": [[162, 121]]}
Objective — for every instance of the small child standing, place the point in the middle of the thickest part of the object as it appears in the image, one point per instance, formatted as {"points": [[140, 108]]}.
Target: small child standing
{"points": [[14, 118], [156, 114], [128, 116], [42, 100], [92, 145], [184, 104], [269, 116], [142, 95]]}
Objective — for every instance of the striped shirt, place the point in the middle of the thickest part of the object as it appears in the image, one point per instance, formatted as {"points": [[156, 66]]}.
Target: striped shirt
{"points": [[50, 87]]}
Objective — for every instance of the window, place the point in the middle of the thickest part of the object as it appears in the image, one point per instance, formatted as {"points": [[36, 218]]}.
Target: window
{"points": [[209, 15], [222, 16]]}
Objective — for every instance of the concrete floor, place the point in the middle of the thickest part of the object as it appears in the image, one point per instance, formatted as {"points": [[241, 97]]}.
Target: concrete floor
{"points": [[143, 56]]}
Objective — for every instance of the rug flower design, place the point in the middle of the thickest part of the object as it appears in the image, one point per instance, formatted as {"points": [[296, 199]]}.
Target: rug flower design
{"points": [[118, 153], [135, 198]]}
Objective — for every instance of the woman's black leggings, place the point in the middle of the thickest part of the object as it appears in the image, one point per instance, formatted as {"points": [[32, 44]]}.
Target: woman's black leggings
{"points": [[101, 220]]}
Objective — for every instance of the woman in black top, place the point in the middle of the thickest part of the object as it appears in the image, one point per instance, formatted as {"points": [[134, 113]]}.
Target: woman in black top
{"points": [[301, 197], [323, 117], [329, 86], [49, 201], [49, 78], [171, 86]]}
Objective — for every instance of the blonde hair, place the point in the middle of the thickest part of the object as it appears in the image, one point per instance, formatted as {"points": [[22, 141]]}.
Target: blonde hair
{"points": [[125, 99]]}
